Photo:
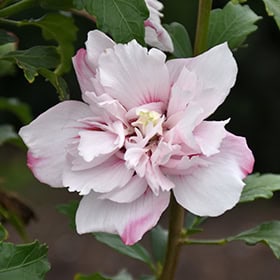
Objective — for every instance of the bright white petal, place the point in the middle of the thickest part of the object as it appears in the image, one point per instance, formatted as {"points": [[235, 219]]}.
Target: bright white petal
{"points": [[213, 189], [134, 76], [48, 136], [103, 178], [130, 220]]}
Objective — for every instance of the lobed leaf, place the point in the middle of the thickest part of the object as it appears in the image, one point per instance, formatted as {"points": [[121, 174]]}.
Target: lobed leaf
{"points": [[231, 24], [273, 9], [33, 59], [25, 262], [136, 251], [267, 233], [95, 276], [181, 40], [260, 186], [123, 19], [61, 29]]}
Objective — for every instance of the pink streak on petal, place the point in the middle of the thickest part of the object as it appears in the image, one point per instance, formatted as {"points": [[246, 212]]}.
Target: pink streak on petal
{"points": [[133, 230]]}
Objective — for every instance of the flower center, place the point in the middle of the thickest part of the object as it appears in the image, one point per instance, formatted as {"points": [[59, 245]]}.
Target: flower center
{"points": [[146, 117]]}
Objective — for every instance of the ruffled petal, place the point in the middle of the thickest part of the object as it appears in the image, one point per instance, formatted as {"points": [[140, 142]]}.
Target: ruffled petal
{"points": [[155, 34], [48, 136], [134, 76], [103, 178], [213, 189], [130, 220], [216, 69], [209, 136], [128, 193]]}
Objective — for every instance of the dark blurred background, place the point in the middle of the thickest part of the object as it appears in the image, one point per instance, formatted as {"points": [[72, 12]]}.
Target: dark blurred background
{"points": [[253, 107]]}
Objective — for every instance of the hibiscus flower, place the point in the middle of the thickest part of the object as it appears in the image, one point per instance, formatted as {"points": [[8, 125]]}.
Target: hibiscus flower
{"points": [[155, 34], [139, 135]]}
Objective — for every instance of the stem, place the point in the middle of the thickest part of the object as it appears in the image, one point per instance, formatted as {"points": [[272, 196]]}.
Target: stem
{"points": [[201, 36], [176, 218], [17, 7], [204, 242], [176, 211]]}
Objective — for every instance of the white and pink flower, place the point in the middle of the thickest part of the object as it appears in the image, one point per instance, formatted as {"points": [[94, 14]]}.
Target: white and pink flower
{"points": [[155, 34], [139, 135]]}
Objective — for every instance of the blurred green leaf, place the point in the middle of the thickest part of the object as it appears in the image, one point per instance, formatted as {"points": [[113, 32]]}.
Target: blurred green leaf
{"points": [[56, 5], [123, 19], [62, 29], [147, 277], [123, 275], [3, 233], [95, 276], [20, 109], [58, 82], [69, 209], [231, 24], [136, 251], [267, 233], [260, 186], [6, 37], [7, 133], [33, 59], [25, 262], [181, 40], [159, 237], [192, 223], [273, 9]]}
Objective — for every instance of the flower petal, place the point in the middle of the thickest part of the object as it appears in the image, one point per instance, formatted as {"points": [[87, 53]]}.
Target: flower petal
{"points": [[209, 135], [128, 193], [48, 136], [213, 189], [103, 178], [155, 34], [216, 69], [134, 76], [130, 220]]}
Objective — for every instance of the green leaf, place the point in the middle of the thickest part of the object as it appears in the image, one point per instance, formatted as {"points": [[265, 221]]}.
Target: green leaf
{"points": [[192, 223], [61, 29], [20, 109], [3, 233], [231, 24], [69, 210], [123, 275], [58, 82], [95, 276], [7, 133], [136, 251], [273, 9], [123, 19], [56, 5], [260, 186], [147, 277], [6, 37], [25, 262], [33, 59], [159, 237], [181, 40], [267, 233]]}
